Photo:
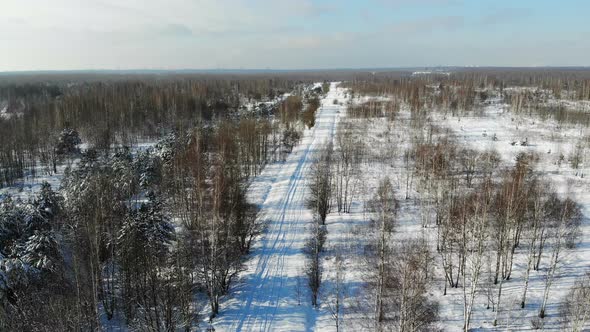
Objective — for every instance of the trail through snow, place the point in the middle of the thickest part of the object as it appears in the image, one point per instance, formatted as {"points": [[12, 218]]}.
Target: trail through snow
{"points": [[272, 294]]}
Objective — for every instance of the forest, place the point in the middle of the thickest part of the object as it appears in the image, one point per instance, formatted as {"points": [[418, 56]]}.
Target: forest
{"points": [[390, 200]]}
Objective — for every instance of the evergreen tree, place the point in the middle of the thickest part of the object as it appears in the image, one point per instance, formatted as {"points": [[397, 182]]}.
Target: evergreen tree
{"points": [[68, 141]]}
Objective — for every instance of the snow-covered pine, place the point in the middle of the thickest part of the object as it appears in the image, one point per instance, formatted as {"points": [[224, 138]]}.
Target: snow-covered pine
{"points": [[149, 228], [41, 251]]}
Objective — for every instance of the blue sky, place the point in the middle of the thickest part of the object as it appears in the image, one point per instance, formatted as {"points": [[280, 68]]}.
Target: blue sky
{"points": [[291, 34]]}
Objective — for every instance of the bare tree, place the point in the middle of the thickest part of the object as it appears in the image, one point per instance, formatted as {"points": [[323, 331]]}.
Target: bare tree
{"points": [[384, 206], [336, 293], [313, 268], [540, 198], [568, 222], [469, 160], [346, 166], [476, 239], [407, 281], [575, 310], [320, 185], [511, 201]]}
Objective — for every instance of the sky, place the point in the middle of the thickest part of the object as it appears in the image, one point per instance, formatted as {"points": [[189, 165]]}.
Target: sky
{"points": [[291, 34]]}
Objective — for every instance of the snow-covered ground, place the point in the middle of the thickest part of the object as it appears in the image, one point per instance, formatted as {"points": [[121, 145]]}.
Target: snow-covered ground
{"points": [[554, 144], [26, 187], [272, 294], [495, 128], [426, 73]]}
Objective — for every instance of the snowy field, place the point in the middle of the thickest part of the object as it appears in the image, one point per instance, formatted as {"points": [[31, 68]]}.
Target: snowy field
{"points": [[493, 129], [554, 144]]}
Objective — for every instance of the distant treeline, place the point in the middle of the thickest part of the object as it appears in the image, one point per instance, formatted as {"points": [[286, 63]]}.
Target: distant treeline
{"points": [[116, 111]]}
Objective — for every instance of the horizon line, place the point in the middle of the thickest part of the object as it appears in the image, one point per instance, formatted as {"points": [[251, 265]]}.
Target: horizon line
{"points": [[270, 70]]}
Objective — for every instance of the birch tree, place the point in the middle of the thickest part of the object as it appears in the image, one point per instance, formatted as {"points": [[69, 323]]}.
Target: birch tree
{"points": [[384, 206], [575, 310], [477, 237], [568, 222]]}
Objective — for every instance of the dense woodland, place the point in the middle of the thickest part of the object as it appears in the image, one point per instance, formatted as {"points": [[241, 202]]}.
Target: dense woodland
{"points": [[135, 234]]}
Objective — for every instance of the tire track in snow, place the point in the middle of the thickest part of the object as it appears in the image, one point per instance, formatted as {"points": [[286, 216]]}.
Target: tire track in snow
{"points": [[267, 300]]}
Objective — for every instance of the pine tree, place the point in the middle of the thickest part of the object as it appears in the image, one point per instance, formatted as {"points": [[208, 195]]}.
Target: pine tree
{"points": [[68, 141], [41, 251]]}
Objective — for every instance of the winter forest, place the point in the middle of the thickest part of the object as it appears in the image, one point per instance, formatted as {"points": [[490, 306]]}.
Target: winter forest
{"points": [[442, 199]]}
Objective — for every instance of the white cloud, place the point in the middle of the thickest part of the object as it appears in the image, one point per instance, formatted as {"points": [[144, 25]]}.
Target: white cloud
{"points": [[75, 34]]}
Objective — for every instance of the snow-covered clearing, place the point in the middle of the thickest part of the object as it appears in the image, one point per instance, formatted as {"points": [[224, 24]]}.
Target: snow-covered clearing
{"points": [[495, 128], [271, 294], [554, 144]]}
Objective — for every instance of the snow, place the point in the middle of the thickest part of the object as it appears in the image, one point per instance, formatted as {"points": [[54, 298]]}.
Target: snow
{"points": [[266, 298], [549, 140], [263, 107], [4, 115], [26, 187], [426, 73], [272, 294]]}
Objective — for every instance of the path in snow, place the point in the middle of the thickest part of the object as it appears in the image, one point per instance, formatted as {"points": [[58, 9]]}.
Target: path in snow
{"points": [[267, 298]]}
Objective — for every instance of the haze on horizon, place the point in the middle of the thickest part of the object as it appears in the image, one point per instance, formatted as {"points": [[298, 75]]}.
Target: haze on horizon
{"points": [[290, 34]]}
